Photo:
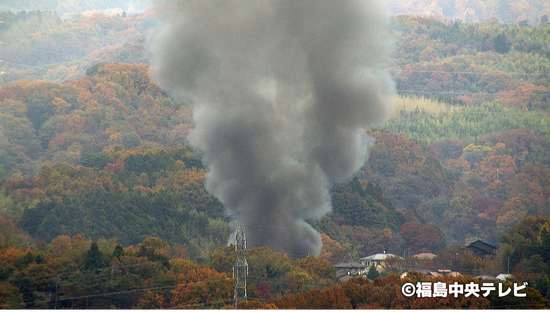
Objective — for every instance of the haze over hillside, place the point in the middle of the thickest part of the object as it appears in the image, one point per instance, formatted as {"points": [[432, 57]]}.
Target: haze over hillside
{"points": [[507, 11], [68, 8]]}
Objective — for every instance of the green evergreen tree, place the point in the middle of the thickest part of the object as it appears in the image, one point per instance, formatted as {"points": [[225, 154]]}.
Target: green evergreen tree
{"points": [[502, 45], [94, 257], [372, 273], [545, 244], [118, 252]]}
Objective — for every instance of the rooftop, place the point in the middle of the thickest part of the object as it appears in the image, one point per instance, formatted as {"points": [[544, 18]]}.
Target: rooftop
{"points": [[425, 256], [379, 257], [349, 265]]}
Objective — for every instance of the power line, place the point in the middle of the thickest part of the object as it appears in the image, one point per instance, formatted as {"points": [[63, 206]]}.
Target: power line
{"points": [[490, 112], [488, 72], [495, 94], [137, 290], [141, 290]]}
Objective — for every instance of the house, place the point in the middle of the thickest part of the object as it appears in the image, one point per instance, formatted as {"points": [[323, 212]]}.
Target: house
{"points": [[378, 260], [486, 277], [349, 268], [504, 277], [427, 272], [444, 272], [480, 248], [425, 256], [405, 273]]}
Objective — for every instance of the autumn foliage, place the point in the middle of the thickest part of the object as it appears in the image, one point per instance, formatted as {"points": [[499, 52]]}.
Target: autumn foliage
{"points": [[103, 202]]}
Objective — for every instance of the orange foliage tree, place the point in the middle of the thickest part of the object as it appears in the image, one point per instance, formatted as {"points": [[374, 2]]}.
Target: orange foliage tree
{"points": [[198, 286]]}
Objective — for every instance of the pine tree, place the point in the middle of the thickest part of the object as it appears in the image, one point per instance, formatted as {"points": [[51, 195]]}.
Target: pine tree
{"points": [[94, 257], [502, 45], [372, 273]]}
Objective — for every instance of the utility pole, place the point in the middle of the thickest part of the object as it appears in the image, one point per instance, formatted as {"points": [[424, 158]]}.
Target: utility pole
{"points": [[240, 267]]}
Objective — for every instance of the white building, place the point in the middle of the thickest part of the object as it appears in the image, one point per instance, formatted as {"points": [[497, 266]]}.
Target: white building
{"points": [[378, 260]]}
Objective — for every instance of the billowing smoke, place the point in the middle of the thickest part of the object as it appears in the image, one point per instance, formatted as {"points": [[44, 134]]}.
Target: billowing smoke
{"points": [[283, 90]]}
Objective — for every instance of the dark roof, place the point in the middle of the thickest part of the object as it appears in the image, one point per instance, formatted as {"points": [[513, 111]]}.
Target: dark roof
{"points": [[481, 248], [487, 277], [349, 265], [422, 271]]}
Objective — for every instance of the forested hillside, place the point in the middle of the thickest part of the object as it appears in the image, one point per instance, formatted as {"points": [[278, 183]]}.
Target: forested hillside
{"points": [[507, 11], [478, 189], [39, 45], [69, 8], [487, 125], [473, 63], [475, 69], [101, 194], [113, 105], [128, 194]]}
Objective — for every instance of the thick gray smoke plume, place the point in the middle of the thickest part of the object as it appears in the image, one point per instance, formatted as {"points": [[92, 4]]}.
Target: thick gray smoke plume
{"points": [[283, 90]]}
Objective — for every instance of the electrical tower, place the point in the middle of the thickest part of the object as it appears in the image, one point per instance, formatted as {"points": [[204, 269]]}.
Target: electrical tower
{"points": [[240, 267]]}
